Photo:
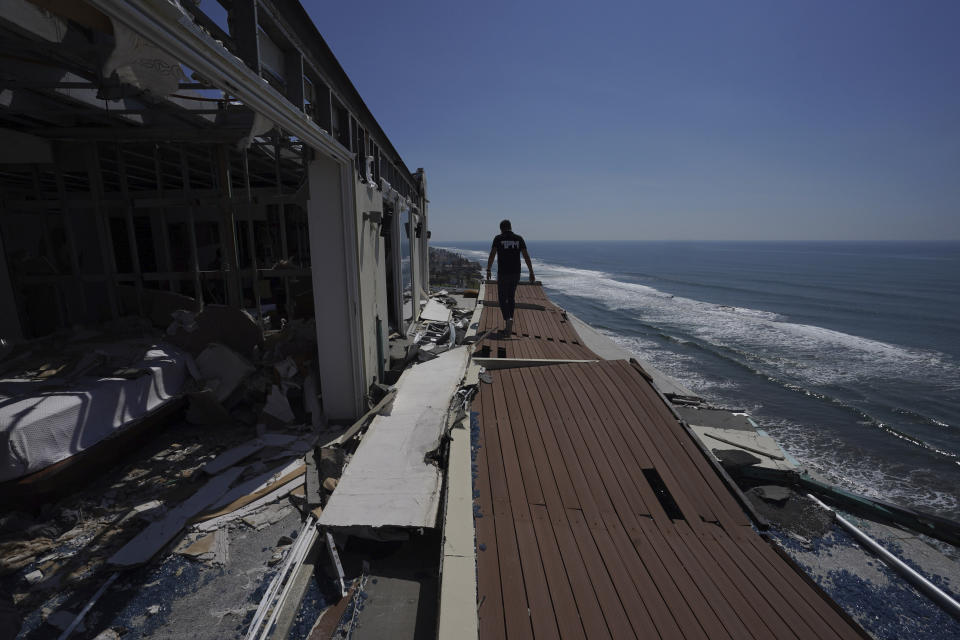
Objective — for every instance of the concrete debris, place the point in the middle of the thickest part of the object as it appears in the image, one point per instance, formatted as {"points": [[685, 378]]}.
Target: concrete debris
{"points": [[267, 515], [299, 496], [332, 460], [278, 407], [202, 545], [149, 511], [226, 325], [258, 399], [232, 514], [733, 459], [773, 493], [435, 311], [287, 368], [222, 370], [17, 554], [33, 577]]}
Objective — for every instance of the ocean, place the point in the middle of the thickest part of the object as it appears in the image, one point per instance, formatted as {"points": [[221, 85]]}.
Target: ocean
{"points": [[847, 353]]}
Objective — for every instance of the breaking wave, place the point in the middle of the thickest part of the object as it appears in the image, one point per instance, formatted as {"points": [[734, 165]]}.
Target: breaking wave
{"points": [[768, 342]]}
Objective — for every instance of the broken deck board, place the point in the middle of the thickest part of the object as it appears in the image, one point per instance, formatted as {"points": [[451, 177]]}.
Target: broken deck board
{"points": [[388, 482]]}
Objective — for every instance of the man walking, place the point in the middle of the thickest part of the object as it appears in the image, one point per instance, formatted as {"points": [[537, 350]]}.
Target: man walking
{"points": [[508, 247]]}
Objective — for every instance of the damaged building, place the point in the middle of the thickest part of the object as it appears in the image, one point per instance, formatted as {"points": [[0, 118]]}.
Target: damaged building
{"points": [[164, 156], [201, 224]]}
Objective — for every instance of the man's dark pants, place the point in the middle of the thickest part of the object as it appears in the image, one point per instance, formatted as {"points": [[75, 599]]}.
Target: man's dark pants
{"points": [[506, 291]]}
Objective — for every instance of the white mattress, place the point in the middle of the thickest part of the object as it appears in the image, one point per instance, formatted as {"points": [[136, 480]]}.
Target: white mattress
{"points": [[43, 422]]}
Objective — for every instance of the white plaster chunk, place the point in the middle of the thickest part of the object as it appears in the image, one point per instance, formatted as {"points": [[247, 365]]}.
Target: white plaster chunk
{"points": [[223, 369], [278, 406], [388, 483], [435, 311]]}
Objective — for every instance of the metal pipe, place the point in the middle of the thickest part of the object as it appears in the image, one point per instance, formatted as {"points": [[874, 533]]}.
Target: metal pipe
{"points": [[267, 601], [83, 612], [922, 584], [302, 552]]}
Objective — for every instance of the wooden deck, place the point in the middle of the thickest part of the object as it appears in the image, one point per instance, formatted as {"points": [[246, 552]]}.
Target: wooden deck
{"points": [[537, 333], [597, 515]]}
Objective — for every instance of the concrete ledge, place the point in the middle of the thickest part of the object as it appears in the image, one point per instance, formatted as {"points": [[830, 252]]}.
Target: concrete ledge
{"points": [[457, 617], [514, 363]]}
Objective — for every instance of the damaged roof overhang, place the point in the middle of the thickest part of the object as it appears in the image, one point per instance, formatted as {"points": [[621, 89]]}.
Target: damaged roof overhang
{"points": [[173, 31], [57, 84]]}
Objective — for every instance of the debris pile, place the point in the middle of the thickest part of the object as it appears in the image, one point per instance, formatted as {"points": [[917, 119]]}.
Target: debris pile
{"points": [[253, 416], [252, 454]]}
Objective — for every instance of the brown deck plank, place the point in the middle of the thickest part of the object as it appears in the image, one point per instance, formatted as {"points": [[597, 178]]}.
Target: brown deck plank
{"points": [[553, 475], [795, 587], [604, 453], [636, 487], [685, 598], [567, 471], [767, 586], [515, 606], [561, 593], [619, 517], [599, 509], [489, 592], [718, 491], [710, 592], [754, 612], [545, 439], [557, 564], [717, 497], [541, 612], [617, 392]]}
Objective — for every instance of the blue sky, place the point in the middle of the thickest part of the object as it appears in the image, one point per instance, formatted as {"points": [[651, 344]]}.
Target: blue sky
{"points": [[717, 120]]}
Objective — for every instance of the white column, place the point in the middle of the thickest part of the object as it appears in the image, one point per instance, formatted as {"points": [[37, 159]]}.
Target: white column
{"points": [[333, 249], [414, 264]]}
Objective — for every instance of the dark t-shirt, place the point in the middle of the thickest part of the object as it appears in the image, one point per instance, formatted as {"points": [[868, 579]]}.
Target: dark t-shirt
{"points": [[508, 246]]}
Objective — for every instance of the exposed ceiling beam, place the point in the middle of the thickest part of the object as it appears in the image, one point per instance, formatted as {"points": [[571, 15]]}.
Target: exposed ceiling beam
{"points": [[173, 31], [149, 134]]}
